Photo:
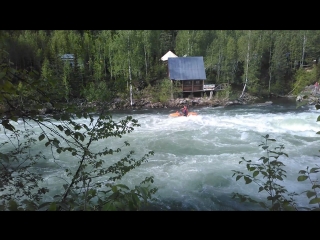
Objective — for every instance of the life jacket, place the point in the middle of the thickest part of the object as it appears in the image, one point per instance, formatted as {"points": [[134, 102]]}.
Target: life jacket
{"points": [[185, 112]]}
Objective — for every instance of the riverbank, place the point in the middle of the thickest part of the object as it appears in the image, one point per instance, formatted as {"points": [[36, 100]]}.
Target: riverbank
{"points": [[307, 96], [147, 103]]}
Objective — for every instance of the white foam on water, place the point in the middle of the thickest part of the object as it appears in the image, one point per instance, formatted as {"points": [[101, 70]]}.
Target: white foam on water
{"points": [[194, 156]]}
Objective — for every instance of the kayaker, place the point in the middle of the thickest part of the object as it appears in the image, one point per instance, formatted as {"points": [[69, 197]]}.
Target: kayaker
{"points": [[184, 111]]}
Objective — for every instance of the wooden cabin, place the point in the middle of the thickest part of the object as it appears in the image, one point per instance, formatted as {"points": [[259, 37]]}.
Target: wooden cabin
{"points": [[190, 72]]}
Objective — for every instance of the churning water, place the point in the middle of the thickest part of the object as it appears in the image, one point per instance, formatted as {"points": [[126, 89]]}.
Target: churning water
{"points": [[194, 156]]}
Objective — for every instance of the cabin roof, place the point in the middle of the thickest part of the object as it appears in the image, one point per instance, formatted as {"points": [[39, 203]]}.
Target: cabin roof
{"points": [[167, 55], [186, 68]]}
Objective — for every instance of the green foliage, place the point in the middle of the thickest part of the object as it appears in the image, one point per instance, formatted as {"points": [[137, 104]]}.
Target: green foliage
{"points": [[314, 193], [278, 88], [18, 180], [97, 92], [227, 93], [64, 134], [83, 192], [22, 186], [303, 78], [267, 174], [163, 91], [107, 55]]}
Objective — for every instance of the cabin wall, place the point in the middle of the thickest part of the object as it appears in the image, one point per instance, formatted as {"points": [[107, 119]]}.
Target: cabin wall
{"points": [[192, 85]]}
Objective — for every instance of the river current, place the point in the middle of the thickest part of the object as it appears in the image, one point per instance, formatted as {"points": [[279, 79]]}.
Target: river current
{"points": [[194, 156]]}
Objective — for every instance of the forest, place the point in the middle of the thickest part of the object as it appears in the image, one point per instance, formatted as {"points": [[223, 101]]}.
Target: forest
{"points": [[108, 64]]}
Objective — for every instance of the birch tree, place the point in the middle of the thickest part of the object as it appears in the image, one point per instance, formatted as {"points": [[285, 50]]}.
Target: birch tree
{"points": [[231, 58], [247, 59]]}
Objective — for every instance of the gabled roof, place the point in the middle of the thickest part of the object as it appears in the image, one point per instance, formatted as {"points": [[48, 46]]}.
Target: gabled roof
{"points": [[168, 55], [186, 68]]}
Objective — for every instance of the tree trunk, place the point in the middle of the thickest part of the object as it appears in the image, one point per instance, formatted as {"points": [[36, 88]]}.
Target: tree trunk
{"points": [[303, 49], [130, 82], [245, 84], [270, 71]]}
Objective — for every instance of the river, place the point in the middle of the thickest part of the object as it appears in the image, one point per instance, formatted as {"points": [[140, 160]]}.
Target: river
{"points": [[194, 156]]}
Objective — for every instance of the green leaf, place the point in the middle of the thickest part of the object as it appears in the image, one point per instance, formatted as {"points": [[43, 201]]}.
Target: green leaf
{"points": [[248, 180], [255, 173], [314, 170], [56, 142], [310, 194], [81, 137], [41, 137], [302, 178], [314, 201], [238, 177], [123, 186], [52, 207], [289, 208], [114, 188], [135, 199], [108, 207], [248, 167], [8, 126], [315, 186]]}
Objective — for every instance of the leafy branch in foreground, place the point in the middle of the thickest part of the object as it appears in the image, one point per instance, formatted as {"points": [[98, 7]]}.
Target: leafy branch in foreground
{"points": [[313, 194], [272, 171], [94, 182]]}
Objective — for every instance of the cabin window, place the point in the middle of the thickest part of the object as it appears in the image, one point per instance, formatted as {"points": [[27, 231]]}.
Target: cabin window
{"points": [[198, 82], [187, 83]]}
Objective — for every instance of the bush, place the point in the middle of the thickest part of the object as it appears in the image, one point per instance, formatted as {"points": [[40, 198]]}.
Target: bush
{"points": [[268, 173]]}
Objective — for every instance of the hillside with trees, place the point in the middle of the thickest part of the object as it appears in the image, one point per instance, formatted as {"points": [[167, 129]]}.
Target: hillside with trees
{"points": [[108, 63]]}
